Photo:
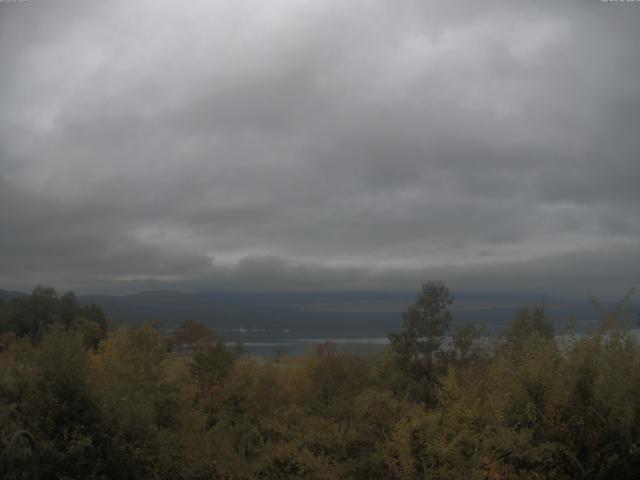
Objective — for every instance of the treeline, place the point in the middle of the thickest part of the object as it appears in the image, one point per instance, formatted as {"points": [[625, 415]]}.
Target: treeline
{"points": [[31, 316], [441, 402]]}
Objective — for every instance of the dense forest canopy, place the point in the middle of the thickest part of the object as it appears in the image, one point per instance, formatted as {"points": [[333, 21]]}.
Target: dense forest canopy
{"points": [[440, 402]]}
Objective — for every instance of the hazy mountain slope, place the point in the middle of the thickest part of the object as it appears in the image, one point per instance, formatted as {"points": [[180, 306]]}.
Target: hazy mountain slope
{"points": [[8, 295], [330, 313], [322, 314]]}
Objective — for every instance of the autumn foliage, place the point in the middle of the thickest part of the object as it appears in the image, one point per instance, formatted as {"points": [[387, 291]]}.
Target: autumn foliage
{"points": [[527, 405]]}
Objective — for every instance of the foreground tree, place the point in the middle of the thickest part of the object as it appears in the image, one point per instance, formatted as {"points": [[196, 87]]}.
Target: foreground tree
{"points": [[138, 403], [193, 333], [212, 363], [417, 347], [46, 390], [527, 323]]}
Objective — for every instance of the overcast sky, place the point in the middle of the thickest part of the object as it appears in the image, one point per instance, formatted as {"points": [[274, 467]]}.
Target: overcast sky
{"points": [[326, 144]]}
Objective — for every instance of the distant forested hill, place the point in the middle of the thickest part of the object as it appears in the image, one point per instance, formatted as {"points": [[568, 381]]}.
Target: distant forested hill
{"points": [[8, 295], [324, 314], [334, 314]]}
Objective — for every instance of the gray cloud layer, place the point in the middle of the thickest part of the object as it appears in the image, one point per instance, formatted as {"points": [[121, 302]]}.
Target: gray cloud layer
{"points": [[295, 144]]}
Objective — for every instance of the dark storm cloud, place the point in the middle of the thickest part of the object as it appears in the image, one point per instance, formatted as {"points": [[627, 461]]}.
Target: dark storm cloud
{"points": [[308, 145]]}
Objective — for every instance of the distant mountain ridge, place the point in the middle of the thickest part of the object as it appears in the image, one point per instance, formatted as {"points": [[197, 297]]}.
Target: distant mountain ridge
{"points": [[8, 295], [321, 314]]}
